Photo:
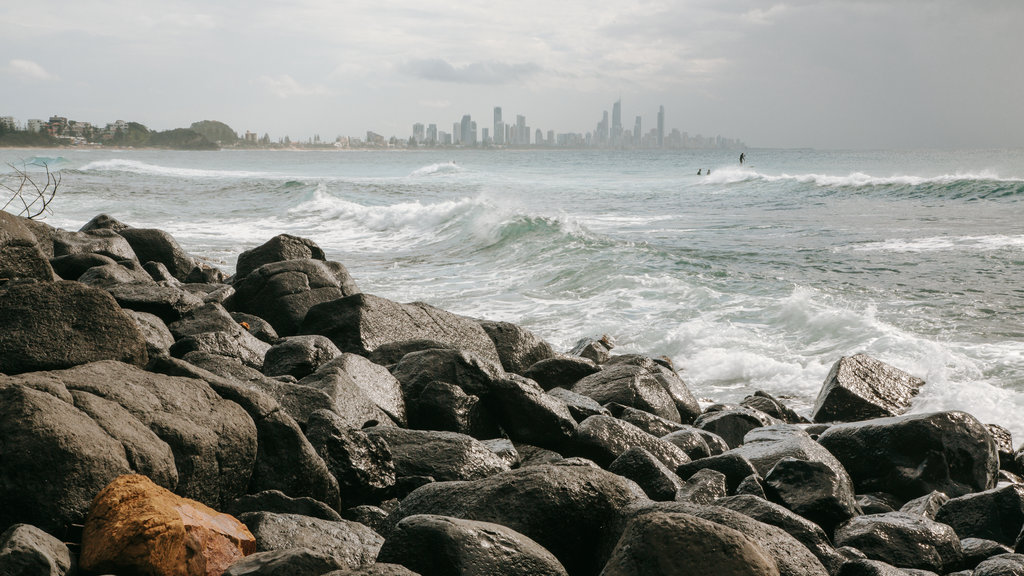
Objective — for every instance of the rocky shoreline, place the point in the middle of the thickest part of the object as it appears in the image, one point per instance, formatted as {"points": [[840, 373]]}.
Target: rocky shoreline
{"points": [[159, 418]]}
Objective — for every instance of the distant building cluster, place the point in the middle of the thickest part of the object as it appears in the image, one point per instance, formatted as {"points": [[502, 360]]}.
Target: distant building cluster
{"points": [[71, 131]]}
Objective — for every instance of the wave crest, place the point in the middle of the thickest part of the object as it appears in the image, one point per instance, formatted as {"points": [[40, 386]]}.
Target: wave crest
{"points": [[137, 167]]}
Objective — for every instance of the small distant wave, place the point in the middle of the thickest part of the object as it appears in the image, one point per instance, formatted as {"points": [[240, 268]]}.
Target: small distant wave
{"points": [[944, 243], [438, 168], [136, 167], [854, 179]]}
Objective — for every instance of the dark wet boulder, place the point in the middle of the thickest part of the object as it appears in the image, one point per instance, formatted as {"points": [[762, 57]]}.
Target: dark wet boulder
{"points": [[368, 515], [299, 356], [581, 407], [876, 503], [977, 550], [927, 505], [653, 425], [863, 567], [377, 569], [678, 544], [903, 540], [236, 343], [28, 551], [72, 266], [20, 254], [53, 325], [704, 487], [256, 326], [347, 399], [469, 371], [278, 249], [632, 386], [773, 407], [669, 379], [351, 543], [167, 302], [1004, 446], [1001, 565], [752, 485], [105, 242], [912, 455], [158, 338], [440, 455], [280, 503], [361, 323], [561, 371], [361, 463], [527, 414], [444, 406], [517, 347], [374, 380], [107, 275], [282, 293], [286, 562], [536, 456], [103, 222], [152, 245], [390, 353], [812, 489], [734, 466], [996, 514], [733, 423], [605, 438], [766, 447], [565, 509], [806, 532], [504, 449], [595, 350], [690, 441], [860, 387], [648, 472], [210, 317], [432, 544]]}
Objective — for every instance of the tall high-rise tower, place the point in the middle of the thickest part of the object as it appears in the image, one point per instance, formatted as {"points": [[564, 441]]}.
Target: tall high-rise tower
{"points": [[499, 126], [661, 126], [617, 123], [638, 132]]}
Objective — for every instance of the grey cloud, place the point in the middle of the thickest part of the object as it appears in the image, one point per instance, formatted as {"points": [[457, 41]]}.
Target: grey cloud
{"points": [[441, 70]]}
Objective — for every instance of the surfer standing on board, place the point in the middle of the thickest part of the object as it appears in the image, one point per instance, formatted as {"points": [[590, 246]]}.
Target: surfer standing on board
{"points": [[743, 156]]}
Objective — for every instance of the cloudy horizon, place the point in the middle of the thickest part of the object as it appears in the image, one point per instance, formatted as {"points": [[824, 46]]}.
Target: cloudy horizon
{"points": [[802, 73]]}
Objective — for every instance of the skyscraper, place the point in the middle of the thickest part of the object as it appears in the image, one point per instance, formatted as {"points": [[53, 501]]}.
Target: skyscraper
{"points": [[499, 126], [661, 126], [617, 122], [468, 131], [637, 132]]}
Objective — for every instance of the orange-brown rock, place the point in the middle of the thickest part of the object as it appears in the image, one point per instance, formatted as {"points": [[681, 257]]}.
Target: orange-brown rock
{"points": [[138, 527]]}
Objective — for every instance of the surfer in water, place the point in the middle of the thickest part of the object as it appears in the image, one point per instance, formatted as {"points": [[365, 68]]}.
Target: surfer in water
{"points": [[743, 156], [699, 170]]}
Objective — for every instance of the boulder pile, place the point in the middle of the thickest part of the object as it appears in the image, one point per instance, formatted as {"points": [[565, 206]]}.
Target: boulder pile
{"points": [[159, 418]]}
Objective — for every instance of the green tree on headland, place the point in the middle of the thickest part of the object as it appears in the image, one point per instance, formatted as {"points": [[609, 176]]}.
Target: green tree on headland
{"points": [[217, 132], [134, 135], [181, 139]]}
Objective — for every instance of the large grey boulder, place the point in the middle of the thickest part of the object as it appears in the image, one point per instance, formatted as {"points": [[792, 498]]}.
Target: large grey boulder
{"points": [[104, 242], [440, 455], [649, 473], [996, 514], [375, 381], [678, 544], [347, 399], [280, 503], [112, 274], [518, 347], [565, 509], [733, 423], [72, 266], [561, 371], [168, 302], [287, 562], [432, 544], [351, 543], [53, 325], [278, 249], [860, 387], [361, 463], [20, 255], [903, 540], [910, 456], [361, 323], [605, 438], [299, 356], [629, 385], [812, 489], [28, 551], [152, 245], [235, 343], [282, 293], [669, 379]]}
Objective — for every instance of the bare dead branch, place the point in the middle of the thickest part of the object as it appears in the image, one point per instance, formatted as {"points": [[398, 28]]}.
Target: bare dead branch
{"points": [[34, 197]]}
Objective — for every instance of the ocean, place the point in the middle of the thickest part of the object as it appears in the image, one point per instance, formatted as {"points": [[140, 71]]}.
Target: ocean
{"points": [[755, 277]]}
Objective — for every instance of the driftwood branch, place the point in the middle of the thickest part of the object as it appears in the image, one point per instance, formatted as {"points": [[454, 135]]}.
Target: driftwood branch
{"points": [[30, 194]]}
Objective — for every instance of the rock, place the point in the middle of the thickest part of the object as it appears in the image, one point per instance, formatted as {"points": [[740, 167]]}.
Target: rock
{"points": [[813, 490], [152, 245], [103, 222], [752, 485], [704, 487], [535, 456], [256, 326], [527, 414], [167, 302], [733, 424], [597, 351], [1001, 565], [136, 526], [53, 325], [285, 460], [368, 515], [361, 323], [996, 514], [690, 441], [977, 550], [604, 438], [158, 338], [875, 503], [771, 406], [766, 447], [927, 505], [518, 348], [648, 472], [20, 254], [351, 543], [653, 425], [378, 569], [236, 344], [203, 273], [441, 455], [860, 388], [910, 456], [376, 382], [299, 356], [470, 372], [72, 266], [806, 532], [108, 275], [565, 509], [361, 463], [280, 503], [676, 544], [734, 466], [580, 407], [390, 353], [286, 562], [278, 249], [631, 386], [283, 292], [210, 317], [28, 551], [504, 449], [55, 458], [444, 406], [865, 567], [684, 400], [1004, 446], [104, 242], [432, 544], [158, 272], [561, 371], [347, 399], [903, 540]]}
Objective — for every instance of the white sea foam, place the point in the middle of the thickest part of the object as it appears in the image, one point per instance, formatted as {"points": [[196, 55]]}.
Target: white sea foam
{"points": [[731, 175], [943, 243], [137, 167], [449, 167]]}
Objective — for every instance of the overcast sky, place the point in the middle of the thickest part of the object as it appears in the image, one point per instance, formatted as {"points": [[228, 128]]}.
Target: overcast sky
{"points": [[824, 74]]}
